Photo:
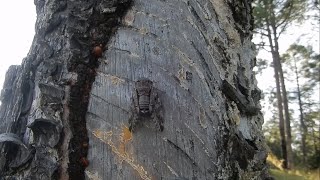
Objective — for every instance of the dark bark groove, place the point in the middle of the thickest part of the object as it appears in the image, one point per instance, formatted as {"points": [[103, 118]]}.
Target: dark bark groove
{"points": [[102, 27], [55, 80]]}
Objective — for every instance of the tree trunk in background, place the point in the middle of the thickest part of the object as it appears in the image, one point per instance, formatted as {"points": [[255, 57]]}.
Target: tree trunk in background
{"points": [[281, 119], [286, 115], [65, 110], [303, 127], [277, 59], [279, 99]]}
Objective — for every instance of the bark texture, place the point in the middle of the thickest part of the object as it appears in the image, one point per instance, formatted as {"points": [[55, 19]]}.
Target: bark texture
{"points": [[65, 110]]}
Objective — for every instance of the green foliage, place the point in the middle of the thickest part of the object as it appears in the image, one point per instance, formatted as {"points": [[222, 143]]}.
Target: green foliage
{"points": [[272, 135], [271, 128], [310, 61], [307, 65], [314, 160], [272, 18], [279, 13], [261, 65]]}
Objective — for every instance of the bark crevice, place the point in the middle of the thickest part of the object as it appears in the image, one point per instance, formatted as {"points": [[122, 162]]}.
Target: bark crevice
{"points": [[103, 22]]}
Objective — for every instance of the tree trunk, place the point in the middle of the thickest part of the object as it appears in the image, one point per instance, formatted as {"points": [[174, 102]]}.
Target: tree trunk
{"points": [[66, 110], [303, 127], [279, 100], [286, 113], [281, 119], [277, 58]]}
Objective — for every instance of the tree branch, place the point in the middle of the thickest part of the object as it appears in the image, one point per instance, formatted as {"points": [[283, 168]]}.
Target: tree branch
{"points": [[285, 20], [263, 34], [263, 46]]}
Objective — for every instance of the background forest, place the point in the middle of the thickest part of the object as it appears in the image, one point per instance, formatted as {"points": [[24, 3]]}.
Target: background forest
{"points": [[291, 99], [286, 35]]}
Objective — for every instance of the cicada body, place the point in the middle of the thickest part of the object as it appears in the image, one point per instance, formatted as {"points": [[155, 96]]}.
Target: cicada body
{"points": [[146, 104]]}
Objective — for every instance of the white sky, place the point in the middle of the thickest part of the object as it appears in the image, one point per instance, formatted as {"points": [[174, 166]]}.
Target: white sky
{"points": [[305, 34], [17, 19]]}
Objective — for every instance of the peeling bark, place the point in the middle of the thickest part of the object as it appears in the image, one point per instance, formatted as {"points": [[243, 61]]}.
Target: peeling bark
{"points": [[69, 102]]}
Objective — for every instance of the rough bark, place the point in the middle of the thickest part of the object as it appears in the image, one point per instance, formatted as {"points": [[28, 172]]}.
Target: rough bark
{"points": [[65, 110]]}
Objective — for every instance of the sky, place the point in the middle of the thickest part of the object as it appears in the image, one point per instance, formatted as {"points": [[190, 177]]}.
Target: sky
{"points": [[17, 19], [18, 24], [305, 34]]}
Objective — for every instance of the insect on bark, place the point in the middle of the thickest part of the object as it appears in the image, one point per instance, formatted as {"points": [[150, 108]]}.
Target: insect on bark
{"points": [[146, 105]]}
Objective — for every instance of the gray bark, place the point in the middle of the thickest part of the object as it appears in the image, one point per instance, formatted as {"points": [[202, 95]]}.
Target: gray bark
{"points": [[65, 110]]}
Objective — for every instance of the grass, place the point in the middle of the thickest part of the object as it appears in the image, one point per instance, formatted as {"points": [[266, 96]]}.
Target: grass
{"points": [[282, 175], [279, 173], [295, 175], [314, 175]]}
